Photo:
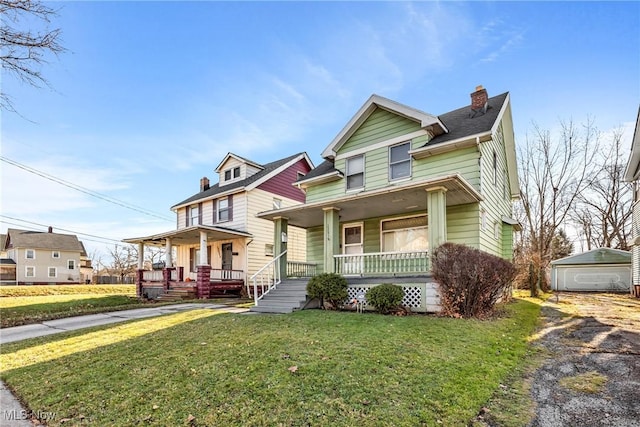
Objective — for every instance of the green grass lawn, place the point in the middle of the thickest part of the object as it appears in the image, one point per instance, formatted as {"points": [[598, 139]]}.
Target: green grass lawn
{"points": [[15, 311], [308, 368], [41, 290]]}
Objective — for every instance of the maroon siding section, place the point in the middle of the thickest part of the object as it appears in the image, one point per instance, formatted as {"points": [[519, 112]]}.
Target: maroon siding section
{"points": [[281, 184]]}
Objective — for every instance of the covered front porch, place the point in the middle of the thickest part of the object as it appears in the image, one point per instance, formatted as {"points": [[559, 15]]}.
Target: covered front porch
{"points": [[199, 262], [386, 232]]}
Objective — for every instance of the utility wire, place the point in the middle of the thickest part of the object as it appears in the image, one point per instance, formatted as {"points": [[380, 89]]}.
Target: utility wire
{"points": [[83, 189], [34, 229], [57, 228]]}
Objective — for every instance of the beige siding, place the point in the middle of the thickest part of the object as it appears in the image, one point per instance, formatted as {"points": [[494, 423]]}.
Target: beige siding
{"points": [[43, 260], [263, 231], [181, 217]]}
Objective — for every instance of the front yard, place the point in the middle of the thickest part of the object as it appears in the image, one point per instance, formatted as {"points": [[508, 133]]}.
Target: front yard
{"points": [[308, 368]]}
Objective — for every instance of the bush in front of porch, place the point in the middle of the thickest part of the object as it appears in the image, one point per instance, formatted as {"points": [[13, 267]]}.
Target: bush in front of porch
{"points": [[471, 281], [385, 297], [329, 288]]}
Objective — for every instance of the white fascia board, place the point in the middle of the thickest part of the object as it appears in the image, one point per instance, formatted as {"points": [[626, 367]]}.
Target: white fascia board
{"points": [[319, 179], [632, 171], [509, 145], [398, 139], [369, 107], [238, 158], [430, 150]]}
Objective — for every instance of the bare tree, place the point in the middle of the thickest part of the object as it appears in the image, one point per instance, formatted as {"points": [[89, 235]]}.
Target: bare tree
{"points": [[154, 255], [553, 173], [23, 51], [603, 210], [124, 261]]}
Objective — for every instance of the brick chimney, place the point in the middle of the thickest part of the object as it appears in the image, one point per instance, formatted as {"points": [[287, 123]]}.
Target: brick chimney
{"points": [[479, 98], [204, 184], [50, 229]]}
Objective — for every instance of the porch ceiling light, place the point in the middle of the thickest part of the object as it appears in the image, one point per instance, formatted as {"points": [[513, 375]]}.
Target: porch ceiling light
{"points": [[411, 207]]}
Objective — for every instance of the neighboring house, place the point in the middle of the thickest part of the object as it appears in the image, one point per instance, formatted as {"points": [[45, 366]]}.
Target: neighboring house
{"points": [[43, 257], [7, 265], [397, 182], [218, 241], [632, 174], [86, 269], [601, 270]]}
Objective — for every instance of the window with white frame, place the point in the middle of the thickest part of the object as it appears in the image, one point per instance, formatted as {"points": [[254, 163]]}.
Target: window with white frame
{"points": [[55, 254], [236, 172], [71, 264], [223, 210], [268, 249], [355, 172], [194, 215], [399, 161], [404, 234], [495, 168], [496, 230], [227, 175], [53, 272], [30, 271], [230, 174], [30, 254]]}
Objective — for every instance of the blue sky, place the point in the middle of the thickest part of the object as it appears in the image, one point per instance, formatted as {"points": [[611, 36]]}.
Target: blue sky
{"points": [[151, 95]]}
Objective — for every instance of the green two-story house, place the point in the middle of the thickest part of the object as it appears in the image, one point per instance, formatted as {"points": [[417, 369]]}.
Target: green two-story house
{"points": [[397, 182]]}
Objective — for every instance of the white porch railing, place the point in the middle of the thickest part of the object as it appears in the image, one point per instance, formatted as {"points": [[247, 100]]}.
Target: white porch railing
{"points": [[219, 274], [268, 277], [382, 263], [152, 276], [301, 269]]}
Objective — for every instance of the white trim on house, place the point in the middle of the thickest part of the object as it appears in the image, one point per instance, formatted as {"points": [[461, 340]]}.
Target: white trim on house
{"points": [[375, 101], [632, 171], [386, 143], [455, 144], [327, 177], [238, 158]]}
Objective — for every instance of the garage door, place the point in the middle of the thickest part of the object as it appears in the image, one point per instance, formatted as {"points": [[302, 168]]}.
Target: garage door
{"points": [[601, 278]]}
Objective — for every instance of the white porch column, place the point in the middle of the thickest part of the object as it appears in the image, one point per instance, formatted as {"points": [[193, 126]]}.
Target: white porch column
{"points": [[140, 256], [331, 238], [168, 255], [203, 248], [437, 211]]}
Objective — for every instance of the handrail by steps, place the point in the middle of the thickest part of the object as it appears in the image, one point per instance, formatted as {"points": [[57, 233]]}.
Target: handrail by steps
{"points": [[269, 275]]}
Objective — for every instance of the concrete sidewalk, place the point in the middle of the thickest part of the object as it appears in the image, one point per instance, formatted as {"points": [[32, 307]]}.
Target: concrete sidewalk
{"points": [[19, 333], [13, 414]]}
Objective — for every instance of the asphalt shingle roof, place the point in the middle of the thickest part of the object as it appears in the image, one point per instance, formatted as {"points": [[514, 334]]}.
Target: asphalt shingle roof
{"points": [[43, 240], [217, 189], [460, 123]]}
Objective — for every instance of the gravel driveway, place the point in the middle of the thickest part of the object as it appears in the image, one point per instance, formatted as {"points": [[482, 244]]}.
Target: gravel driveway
{"points": [[591, 376]]}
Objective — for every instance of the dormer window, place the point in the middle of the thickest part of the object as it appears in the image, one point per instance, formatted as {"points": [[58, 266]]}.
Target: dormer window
{"points": [[230, 174], [399, 161]]}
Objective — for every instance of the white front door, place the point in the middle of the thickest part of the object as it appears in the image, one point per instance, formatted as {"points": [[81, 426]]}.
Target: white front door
{"points": [[352, 244]]}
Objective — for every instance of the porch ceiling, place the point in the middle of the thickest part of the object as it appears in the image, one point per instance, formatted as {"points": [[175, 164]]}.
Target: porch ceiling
{"points": [[190, 236], [408, 198]]}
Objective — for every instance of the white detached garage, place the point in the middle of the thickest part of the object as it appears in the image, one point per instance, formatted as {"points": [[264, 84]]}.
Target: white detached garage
{"points": [[600, 270]]}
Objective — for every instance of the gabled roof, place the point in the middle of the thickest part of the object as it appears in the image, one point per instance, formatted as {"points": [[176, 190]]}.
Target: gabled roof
{"points": [[461, 123], [239, 158], [376, 101], [268, 170], [323, 173], [596, 256], [43, 240], [632, 171]]}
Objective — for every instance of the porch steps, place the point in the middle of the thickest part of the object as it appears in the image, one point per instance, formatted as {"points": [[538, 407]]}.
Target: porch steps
{"points": [[288, 296], [177, 294]]}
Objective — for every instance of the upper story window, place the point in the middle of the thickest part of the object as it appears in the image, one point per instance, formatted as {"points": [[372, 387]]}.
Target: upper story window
{"points": [[230, 174], [399, 161], [355, 172], [194, 215], [30, 254], [223, 210], [71, 264], [55, 254]]}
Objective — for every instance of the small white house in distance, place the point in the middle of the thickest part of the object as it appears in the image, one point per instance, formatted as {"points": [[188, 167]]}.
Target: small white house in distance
{"points": [[599, 270]]}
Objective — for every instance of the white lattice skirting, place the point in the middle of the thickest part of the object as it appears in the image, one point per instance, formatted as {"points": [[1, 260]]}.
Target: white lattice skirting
{"points": [[419, 297]]}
